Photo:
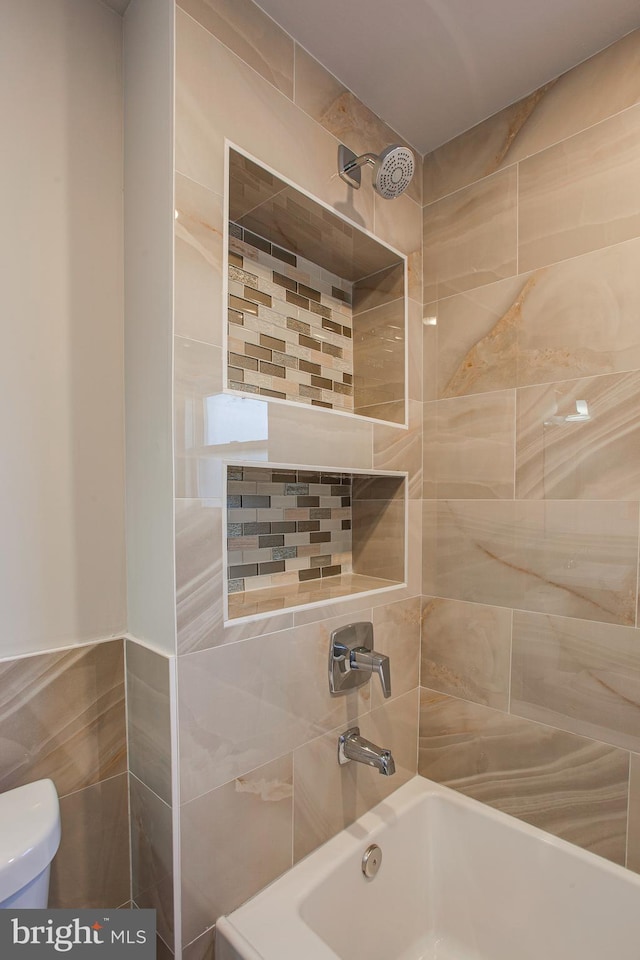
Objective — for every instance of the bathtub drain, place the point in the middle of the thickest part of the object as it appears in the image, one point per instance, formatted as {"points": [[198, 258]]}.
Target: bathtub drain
{"points": [[371, 861]]}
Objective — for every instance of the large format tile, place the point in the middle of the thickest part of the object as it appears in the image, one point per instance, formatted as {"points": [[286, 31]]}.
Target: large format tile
{"points": [[251, 34], [244, 704], [91, 868], [470, 237], [633, 835], [197, 387], [572, 319], [397, 635], [469, 551], [581, 194], [379, 355], [199, 224], [234, 841], [328, 796], [477, 338], [566, 450], [152, 856], [63, 717], [571, 558], [466, 650], [578, 559], [594, 90], [199, 574], [570, 786], [577, 675], [468, 447], [256, 117], [203, 948], [149, 718], [397, 449]]}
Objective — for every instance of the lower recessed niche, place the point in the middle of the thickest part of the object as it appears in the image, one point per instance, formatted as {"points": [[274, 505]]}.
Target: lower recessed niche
{"points": [[298, 537]]}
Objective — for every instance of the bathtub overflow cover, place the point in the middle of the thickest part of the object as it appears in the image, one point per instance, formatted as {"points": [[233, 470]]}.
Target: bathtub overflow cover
{"points": [[371, 861]]}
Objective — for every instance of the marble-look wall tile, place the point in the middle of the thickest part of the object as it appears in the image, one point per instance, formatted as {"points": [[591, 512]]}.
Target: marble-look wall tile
{"points": [[318, 438], [276, 433], [152, 856], [581, 194], [466, 651], [470, 237], [399, 223], [430, 352], [199, 574], [574, 559], [63, 717], [633, 835], [378, 536], [469, 551], [379, 288], [566, 450], [91, 868], [594, 90], [149, 718], [234, 841], [398, 449], [199, 227], [163, 952], [468, 447], [396, 629], [251, 34], [572, 787], [577, 675], [328, 796], [571, 319], [244, 704], [415, 344], [578, 558], [340, 112], [197, 380], [477, 339], [203, 948], [379, 374], [267, 124]]}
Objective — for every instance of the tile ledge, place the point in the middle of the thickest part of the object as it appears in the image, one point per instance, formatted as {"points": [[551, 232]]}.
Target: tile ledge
{"points": [[259, 604]]}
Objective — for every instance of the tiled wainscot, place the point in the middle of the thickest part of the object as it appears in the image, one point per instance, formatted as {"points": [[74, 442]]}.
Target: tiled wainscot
{"points": [[300, 536]]}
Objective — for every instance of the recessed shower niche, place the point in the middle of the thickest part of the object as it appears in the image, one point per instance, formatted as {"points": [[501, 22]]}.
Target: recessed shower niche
{"points": [[316, 306], [304, 536]]}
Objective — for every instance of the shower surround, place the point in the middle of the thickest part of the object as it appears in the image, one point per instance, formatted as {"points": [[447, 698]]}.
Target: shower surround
{"points": [[530, 645]]}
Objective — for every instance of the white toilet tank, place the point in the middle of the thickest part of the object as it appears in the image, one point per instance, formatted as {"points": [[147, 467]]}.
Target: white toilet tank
{"points": [[29, 838]]}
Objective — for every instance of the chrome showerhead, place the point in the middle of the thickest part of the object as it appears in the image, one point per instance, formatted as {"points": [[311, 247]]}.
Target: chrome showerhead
{"points": [[392, 169]]}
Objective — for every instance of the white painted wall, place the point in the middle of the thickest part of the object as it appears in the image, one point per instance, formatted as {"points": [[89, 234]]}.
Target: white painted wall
{"points": [[62, 567], [149, 222]]}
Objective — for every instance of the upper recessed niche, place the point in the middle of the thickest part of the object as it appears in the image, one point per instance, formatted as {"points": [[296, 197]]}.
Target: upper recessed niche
{"points": [[316, 306]]}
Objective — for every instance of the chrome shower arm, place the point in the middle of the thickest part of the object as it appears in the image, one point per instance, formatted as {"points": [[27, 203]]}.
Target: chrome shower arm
{"points": [[359, 161]]}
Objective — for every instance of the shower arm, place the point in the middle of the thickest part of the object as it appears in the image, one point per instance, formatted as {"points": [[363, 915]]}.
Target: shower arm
{"points": [[359, 162], [349, 165]]}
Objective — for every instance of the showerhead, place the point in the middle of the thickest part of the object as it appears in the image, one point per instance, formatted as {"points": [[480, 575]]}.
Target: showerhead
{"points": [[392, 169], [393, 172]]}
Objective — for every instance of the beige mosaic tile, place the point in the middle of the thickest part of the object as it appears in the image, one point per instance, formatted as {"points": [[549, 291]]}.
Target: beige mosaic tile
{"points": [[301, 333]]}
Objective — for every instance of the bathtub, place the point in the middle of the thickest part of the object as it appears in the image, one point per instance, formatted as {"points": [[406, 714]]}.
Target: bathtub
{"points": [[457, 881]]}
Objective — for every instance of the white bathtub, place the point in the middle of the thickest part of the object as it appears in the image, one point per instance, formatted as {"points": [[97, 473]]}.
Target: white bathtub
{"points": [[458, 881]]}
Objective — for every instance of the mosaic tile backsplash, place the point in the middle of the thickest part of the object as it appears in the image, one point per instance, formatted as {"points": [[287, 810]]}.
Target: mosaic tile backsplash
{"points": [[285, 527], [290, 325]]}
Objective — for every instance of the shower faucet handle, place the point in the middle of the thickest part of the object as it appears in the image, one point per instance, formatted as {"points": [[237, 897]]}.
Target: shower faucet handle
{"points": [[363, 659], [352, 659]]}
